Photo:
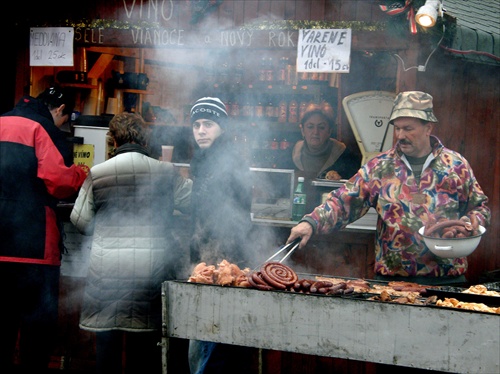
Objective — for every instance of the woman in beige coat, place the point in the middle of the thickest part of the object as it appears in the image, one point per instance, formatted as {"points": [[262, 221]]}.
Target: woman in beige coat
{"points": [[127, 204]]}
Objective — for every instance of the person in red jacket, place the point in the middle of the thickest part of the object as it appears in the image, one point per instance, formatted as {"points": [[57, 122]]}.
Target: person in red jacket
{"points": [[36, 171]]}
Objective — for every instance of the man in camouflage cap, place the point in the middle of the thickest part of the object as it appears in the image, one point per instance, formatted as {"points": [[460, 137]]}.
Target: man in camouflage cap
{"points": [[413, 104], [415, 183], [413, 121]]}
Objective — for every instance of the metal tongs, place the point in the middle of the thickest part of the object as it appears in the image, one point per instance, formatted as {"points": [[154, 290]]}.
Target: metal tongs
{"points": [[292, 246]]}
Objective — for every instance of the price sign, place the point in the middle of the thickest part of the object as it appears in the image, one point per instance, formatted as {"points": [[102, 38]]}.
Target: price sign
{"points": [[324, 50], [51, 46]]}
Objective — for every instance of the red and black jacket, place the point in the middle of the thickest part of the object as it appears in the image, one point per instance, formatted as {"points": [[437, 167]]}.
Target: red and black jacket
{"points": [[36, 171]]}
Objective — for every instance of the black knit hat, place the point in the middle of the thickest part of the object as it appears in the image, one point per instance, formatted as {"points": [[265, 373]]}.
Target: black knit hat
{"points": [[56, 96], [211, 108]]}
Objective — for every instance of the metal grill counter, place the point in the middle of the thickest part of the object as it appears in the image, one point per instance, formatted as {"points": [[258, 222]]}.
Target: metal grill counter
{"points": [[426, 337]]}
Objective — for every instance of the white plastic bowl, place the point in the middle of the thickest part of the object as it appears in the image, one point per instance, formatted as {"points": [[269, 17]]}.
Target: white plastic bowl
{"points": [[452, 247]]}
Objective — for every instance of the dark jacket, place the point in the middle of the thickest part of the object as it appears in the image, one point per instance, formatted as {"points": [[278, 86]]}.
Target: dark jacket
{"points": [[221, 204], [35, 173]]}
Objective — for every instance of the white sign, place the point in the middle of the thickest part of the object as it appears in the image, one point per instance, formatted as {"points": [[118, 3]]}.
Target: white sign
{"points": [[324, 50], [51, 46]]}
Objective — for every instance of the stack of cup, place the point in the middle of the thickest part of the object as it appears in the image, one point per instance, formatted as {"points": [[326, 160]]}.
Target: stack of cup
{"points": [[166, 152]]}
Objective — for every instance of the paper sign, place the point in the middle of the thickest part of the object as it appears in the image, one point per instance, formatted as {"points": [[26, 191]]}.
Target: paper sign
{"points": [[83, 156], [324, 50], [51, 46]]}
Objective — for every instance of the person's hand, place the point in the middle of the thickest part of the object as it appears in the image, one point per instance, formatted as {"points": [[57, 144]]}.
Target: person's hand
{"points": [[302, 230], [466, 219]]}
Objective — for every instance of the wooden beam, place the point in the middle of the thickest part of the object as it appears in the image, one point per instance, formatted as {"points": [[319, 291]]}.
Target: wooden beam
{"points": [[100, 65]]}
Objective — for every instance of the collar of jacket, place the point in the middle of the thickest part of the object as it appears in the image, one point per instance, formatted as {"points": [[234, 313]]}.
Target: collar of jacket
{"points": [[129, 147], [334, 147]]}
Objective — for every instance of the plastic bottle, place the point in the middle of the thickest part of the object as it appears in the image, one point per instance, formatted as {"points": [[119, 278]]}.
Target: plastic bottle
{"points": [[299, 201]]}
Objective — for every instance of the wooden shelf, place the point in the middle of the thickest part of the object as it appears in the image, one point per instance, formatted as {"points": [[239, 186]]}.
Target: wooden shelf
{"points": [[136, 91], [80, 85]]}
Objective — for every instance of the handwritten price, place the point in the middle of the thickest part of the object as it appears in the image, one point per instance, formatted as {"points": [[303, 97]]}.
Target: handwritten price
{"points": [[51, 55]]}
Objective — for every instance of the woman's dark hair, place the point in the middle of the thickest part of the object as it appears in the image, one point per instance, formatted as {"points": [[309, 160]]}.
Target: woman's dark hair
{"points": [[55, 96], [324, 109]]}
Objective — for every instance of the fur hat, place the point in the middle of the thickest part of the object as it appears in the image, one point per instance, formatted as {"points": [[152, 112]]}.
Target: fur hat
{"points": [[211, 108], [413, 104]]}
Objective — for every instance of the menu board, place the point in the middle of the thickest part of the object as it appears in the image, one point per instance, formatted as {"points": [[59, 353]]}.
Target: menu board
{"points": [[324, 50], [51, 46]]}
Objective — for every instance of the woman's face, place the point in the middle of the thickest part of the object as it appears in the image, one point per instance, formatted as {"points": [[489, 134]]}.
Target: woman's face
{"points": [[316, 131], [205, 132]]}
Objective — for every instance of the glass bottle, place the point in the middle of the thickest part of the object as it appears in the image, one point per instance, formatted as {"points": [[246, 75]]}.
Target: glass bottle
{"points": [[269, 111], [259, 108], [302, 107], [293, 111], [263, 69], [281, 76], [299, 201], [282, 110], [270, 70]]}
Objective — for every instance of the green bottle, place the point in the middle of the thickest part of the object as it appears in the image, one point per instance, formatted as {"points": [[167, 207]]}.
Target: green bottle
{"points": [[299, 201]]}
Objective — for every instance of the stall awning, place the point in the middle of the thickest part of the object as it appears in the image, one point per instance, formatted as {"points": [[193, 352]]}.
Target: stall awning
{"points": [[476, 31]]}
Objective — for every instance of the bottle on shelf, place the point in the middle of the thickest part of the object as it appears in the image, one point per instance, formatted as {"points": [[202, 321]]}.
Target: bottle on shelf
{"points": [[293, 111], [259, 108], [238, 73], [263, 69], [234, 108], [302, 107], [282, 110], [223, 78], [299, 201], [284, 144], [247, 109], [269, 110], [281, 73], [270, 70]]}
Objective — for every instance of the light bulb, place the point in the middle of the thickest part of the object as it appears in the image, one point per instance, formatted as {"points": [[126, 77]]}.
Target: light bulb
{"points": [[428, 13]]}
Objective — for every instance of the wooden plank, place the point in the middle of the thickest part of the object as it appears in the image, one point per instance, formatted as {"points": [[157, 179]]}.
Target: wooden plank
{"points": [[100, 65], [290, 10], [348, 10], [128, 43], [303, 9], [264, 9], [239, 13], [425, 337], [363, 11], [278, 9], [317, 12], [251, 11]]}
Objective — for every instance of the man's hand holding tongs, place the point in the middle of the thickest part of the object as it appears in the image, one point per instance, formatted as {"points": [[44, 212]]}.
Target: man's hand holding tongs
{"points": [[302, 230]]}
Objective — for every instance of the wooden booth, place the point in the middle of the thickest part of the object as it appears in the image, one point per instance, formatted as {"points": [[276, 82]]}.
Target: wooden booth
{"points": [[155, 58]]}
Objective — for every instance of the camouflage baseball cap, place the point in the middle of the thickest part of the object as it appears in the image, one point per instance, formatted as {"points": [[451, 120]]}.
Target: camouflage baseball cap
{"points": [[413, 104]]}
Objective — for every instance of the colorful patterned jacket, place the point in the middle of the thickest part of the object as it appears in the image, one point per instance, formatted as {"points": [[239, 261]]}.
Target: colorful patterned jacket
{"points": [[447, 188]]}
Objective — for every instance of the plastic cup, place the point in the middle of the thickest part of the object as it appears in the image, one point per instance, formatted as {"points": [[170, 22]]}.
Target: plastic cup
{"points": [[166, 152]]}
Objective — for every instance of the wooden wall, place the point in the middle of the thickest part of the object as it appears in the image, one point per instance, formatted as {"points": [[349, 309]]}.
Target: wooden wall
{"points": [[466, 94], [466, 98], [467, 102]]}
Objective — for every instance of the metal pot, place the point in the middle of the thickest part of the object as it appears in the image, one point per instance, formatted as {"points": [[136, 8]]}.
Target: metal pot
{"points": [[452, 247]]}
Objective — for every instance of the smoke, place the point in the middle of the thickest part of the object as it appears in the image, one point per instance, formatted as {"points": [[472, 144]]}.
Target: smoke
{"points": [[75, 262]]}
